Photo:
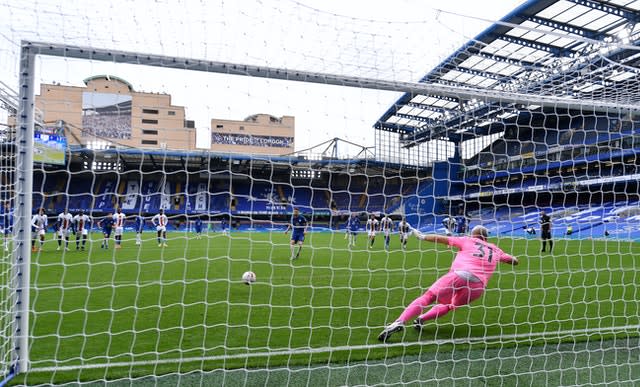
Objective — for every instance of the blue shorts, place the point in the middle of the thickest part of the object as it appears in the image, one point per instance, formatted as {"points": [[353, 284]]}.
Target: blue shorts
{"points": [[199, 230], [297, 237], [8, 230], [107, 232]]}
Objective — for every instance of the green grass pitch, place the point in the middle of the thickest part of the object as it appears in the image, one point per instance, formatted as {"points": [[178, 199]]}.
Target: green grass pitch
{"points": [[152, 305]]}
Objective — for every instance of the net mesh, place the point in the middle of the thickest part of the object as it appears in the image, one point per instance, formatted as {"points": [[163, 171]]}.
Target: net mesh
{"points": [[490, 141]]}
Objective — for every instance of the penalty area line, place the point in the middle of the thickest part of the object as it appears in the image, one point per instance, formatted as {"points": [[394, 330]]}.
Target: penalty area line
{"points": [[309, 351]]}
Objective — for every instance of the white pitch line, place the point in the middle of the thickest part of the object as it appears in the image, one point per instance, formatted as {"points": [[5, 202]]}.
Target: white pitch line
{"points": [[302, 351]]}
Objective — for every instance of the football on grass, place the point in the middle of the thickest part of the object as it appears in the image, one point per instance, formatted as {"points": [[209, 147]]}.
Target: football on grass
{"points": [[249, 277]]}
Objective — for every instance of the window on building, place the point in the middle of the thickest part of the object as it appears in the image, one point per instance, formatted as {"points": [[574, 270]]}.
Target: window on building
{"points": [[171, 113], [242, 128], [147, 121], [149, 142], [190, 124], [150, 111], [150, 132], [219, 126]]}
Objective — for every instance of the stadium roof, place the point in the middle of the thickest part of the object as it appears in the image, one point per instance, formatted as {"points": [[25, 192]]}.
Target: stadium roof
{"points": [[162, 159], [584, 50]]}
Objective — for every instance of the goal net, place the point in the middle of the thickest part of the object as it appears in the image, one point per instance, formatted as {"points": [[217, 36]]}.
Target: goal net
{"points": [[202, 212]]}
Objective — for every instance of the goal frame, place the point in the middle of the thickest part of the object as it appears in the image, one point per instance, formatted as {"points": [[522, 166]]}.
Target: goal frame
{"points": [[21, 258]]}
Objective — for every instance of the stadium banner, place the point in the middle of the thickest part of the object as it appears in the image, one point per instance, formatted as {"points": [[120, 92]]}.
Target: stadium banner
{"points": [[251, 140], [131, 197], [106, 115], [49, 146]]}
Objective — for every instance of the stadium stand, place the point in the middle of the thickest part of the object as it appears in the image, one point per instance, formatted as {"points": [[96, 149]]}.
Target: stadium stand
{"points": [[242, 188]]}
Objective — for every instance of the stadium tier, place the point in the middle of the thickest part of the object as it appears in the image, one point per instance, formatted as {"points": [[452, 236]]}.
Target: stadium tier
{"points": [[562, 175], [233, 186]]}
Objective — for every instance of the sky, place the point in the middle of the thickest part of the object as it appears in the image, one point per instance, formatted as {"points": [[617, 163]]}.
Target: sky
{"points": [[400, 40]]}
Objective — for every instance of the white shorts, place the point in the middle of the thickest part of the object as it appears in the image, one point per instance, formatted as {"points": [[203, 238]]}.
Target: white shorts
{"points": [[41, 231], [63, 232], [372, 233], [118, 231], [161, 228], [387, 232], [404, 235], [84, 232]]}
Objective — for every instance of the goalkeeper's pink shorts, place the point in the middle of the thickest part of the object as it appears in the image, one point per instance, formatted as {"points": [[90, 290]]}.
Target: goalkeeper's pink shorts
{"points": [[454, 290]]}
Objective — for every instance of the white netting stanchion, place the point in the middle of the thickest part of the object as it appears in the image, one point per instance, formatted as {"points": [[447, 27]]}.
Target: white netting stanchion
{"points": [[193, 232]]}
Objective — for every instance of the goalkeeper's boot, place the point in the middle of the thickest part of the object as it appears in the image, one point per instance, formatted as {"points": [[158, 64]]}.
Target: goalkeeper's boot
{"points": [[394, 327], [418, 324]]}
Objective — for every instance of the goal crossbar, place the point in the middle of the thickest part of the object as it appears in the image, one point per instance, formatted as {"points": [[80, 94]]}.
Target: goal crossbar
{"points": [[414, 88]]}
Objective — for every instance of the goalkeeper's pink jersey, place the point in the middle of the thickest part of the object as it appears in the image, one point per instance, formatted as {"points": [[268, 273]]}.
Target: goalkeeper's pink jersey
{"points": [[477, 257]]}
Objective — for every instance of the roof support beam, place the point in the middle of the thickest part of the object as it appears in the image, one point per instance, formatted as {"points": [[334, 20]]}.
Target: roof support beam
{"points": [[557, 51], [416, 118], [396, 128], [580, 31], [442, 97], [428, 107], [613, 9], [484, 74], [504, 59]]}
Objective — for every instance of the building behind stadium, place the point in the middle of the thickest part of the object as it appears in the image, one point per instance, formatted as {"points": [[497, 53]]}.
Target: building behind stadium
{"points": [[108, 113]]}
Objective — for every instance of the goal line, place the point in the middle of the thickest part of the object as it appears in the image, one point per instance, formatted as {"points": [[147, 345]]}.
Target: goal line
{"points": [[489, 340]]}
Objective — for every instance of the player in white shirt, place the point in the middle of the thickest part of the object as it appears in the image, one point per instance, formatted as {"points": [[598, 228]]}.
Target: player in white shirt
{"points": [[118, 222], [372, 227], [39, 226], [82, 224], [65, 221], [449, 224], [404, 229], [160, 221], [386, 225]]}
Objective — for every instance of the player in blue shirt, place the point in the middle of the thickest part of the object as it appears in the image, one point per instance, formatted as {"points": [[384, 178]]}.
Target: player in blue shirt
{"points": [[461, 224], [139, 226], [7, 223], [107, 226], [353, 225], [224, 225], [298, 225], [197, 226]]}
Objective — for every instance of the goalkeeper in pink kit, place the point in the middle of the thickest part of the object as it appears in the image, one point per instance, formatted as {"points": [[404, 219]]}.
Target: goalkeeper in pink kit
{"points": [[470, 271]]}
